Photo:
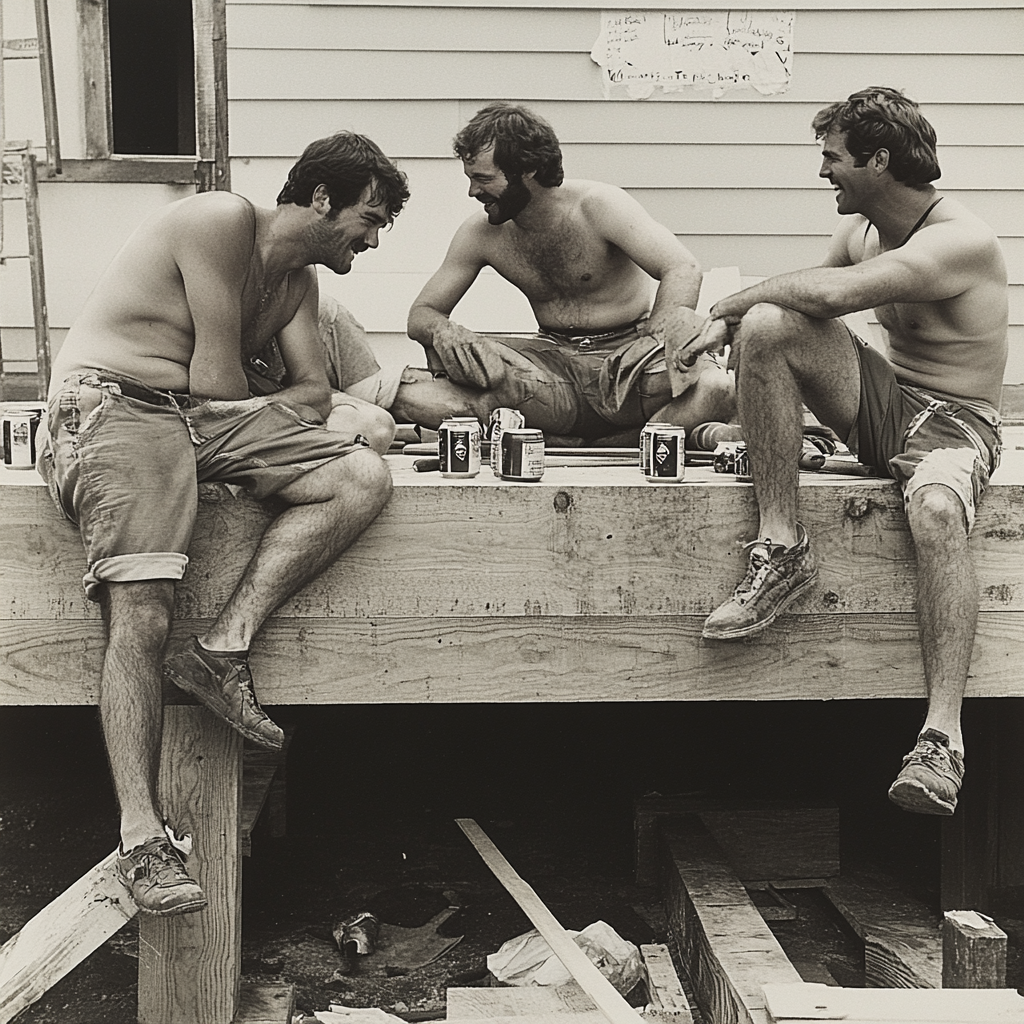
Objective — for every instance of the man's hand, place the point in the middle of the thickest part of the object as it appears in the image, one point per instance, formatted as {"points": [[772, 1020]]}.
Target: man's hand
{"points": [[713, 336], [468, 358]]}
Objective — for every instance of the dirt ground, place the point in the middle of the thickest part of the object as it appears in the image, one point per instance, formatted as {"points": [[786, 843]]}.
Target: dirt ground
{"points": [[373, 794]]}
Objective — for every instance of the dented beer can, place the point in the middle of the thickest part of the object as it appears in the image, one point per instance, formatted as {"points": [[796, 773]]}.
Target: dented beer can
{"points": [[501, 420], [521, 455]]}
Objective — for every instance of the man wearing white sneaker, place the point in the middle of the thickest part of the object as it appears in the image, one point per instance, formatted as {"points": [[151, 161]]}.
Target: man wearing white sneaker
{"points": [[149, 397], [925, 413]]}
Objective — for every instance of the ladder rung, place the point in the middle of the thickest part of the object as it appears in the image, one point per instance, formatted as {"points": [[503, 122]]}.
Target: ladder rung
{"points": [[15, 49]]}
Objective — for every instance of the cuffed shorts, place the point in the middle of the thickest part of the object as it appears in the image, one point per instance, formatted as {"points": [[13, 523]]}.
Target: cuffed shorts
{"points": [[123, 461], [919, 438], [587, 385]]}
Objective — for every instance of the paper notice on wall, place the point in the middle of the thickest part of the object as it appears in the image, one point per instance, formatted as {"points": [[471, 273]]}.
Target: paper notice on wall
{"points": [[643, 51]]}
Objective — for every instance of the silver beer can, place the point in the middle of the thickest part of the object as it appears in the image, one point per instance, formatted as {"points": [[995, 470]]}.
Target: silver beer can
{"points": [[19, 438], [663, 453], [502, 419], [458, 447], [521, 455]]}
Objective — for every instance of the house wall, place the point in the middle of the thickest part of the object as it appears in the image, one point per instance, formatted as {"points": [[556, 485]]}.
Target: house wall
{"points": [[735, 178]]}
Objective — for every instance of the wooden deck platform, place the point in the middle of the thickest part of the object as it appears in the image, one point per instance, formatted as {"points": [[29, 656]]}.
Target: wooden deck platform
{"points": [[590, 585]]}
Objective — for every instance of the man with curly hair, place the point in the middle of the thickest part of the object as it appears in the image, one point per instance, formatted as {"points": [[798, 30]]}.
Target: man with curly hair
{"points": [[149, 397], [607, 284], [926, 412]]}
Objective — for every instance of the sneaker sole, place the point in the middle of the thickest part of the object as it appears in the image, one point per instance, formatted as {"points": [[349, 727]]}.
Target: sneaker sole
{"points": [[911, 795], [186, 685], [757, 627], [181, 908]]}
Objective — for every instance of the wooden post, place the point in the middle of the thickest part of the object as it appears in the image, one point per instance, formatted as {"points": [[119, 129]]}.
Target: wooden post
{"points": [[190, 965], [973, 951]]}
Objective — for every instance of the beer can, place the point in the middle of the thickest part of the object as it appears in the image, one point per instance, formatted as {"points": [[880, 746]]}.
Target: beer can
{"points": [[19, 438], [663, 452], [502, 419], [458, 446], [741, 466], [521, 454]]}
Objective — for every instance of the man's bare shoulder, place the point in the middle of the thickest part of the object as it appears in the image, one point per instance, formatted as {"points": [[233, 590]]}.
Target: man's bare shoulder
{"points": [[206, 214]]}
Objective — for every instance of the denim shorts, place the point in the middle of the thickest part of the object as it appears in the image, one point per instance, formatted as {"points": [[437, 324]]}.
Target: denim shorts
{"points": [[919, 437], [123, 461]]}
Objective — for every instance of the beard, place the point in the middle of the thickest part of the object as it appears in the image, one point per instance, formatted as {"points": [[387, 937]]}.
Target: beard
{"points": [[510, 203]]}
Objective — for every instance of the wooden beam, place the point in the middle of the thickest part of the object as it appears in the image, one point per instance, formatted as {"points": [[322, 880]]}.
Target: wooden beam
{"points": [[813, 1002], [902, 944], [511, 1001], [265, 1004], [576, 962], [762, 840], [171, 170], [973, 951], [260, 770], [727, 950], [94, 57], [190, 965], [665, 995], [61, 936]]}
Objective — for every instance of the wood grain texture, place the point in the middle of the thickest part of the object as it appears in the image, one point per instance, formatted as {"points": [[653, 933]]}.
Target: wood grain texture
{"points": [[973, 951], [61, 936], [726, 948], [190, 965], [902, 942]]}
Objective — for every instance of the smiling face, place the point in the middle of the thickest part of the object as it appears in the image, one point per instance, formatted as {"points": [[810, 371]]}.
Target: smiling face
{"points": [[850, 182], [503, 200], [338, 236]]}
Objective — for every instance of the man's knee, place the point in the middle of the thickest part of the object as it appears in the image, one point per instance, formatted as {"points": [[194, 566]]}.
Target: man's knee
{"points": [[145, 608], [364, 473], [936, 516], [765, 325]]}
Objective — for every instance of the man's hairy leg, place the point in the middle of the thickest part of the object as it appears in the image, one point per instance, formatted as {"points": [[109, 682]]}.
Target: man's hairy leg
{"points": [[786, 359], [712, 398], [138, 617], [329, 508], [947, 604]]}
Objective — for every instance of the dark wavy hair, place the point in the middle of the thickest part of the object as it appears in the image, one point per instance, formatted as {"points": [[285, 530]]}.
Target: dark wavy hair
{"points": [[883, 118], [522, 142], [346, 164]]}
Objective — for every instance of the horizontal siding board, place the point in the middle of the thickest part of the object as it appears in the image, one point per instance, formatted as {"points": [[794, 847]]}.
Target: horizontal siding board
{"points": [[764, 166], [425, 128], [561, 29], [794, 210], [389, 74], [675, 5]]}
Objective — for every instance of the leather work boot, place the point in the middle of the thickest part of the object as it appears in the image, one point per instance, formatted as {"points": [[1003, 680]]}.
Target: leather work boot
{"points": [[931, 776], [775, 577], [223, 683], [155, 876]]}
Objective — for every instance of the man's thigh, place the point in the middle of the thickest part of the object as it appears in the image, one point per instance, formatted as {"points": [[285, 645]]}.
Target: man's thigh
{"points": [[260, 444]]}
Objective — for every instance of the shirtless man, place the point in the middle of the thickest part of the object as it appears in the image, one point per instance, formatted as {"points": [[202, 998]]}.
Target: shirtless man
{"points": [[927, 415], [149, 396], [606, 282]]}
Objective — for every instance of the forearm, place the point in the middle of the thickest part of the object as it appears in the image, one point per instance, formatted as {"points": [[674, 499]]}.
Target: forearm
{"points": [[424, 322], [678, 287], [819, 292]]}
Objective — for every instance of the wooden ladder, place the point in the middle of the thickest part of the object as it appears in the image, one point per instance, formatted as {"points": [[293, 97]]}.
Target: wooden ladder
{"points": [[19, 183]]}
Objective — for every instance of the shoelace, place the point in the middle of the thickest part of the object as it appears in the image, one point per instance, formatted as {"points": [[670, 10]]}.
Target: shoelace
{"points": [[246, 686], [929, 754], [154, 855], [760, 564]]}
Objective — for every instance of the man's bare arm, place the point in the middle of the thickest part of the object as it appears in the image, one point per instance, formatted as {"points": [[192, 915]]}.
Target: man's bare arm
{"points": [[211, 248], [308, 392], [466, 357]]}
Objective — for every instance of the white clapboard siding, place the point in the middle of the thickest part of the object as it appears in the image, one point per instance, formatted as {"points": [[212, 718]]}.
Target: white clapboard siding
{"points": [[369, 74], [425, 128], [559, 28]]}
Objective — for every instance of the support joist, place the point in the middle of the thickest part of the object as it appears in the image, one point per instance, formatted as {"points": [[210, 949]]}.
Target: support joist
{"points": [[723, 943]]}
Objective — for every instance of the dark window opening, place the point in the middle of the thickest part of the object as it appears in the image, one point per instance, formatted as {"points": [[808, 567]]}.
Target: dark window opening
{"points": [[152, 77]]}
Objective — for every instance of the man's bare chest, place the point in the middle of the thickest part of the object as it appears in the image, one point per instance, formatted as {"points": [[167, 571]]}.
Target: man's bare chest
{"points": [[557, 265]]}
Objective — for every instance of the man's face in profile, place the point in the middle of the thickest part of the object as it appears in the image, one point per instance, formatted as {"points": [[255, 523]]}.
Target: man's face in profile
{"points": [[503, 200]]}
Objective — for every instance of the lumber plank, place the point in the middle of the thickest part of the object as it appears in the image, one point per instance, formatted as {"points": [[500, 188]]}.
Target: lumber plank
{"points": [[190, 965], [902, 942], [614, 1008], [538, 658], [762, 840], [809, 1002], [261, 770], [265, 1004], [665, 995], [727, 950], [61, 936], [973, 951], [510, 1001], [552, 548]]}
